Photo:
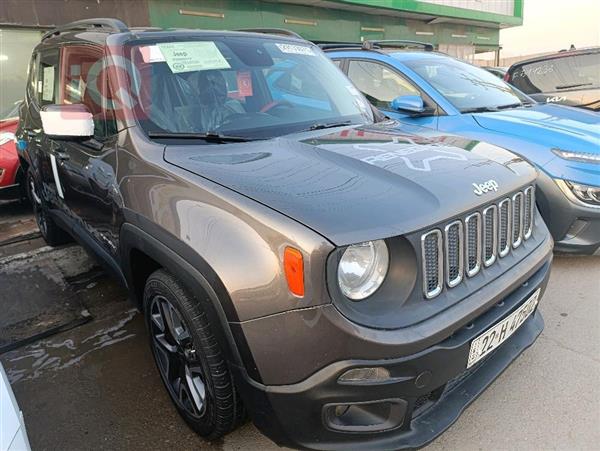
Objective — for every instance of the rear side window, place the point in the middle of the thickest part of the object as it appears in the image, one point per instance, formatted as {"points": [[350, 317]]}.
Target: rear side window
{"points": [[558, 74], [378, 83], [47, 78]]}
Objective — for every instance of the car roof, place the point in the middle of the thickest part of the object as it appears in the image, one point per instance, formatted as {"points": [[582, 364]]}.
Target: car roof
{"points": [[561, 54], [400, 55], [413, 55]]}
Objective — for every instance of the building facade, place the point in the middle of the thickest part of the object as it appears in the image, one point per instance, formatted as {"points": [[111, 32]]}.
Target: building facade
{"points": [[463, 28]]}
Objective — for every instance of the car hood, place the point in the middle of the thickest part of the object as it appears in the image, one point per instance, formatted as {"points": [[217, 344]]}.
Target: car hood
{"points": [[558, 126], [357, 184]]}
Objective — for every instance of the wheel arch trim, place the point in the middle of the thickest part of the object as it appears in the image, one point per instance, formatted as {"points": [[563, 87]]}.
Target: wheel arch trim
{"points": [[194, 273]]}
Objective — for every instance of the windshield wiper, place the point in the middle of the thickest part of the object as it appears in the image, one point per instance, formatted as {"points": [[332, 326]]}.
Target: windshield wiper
{"points": [[479, 109], [577, 85], [327, 125], [510, 105], [210, 137]]}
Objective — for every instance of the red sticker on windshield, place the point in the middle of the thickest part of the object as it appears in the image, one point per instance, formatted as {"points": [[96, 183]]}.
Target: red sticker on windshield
{"points": [[244, 82]]}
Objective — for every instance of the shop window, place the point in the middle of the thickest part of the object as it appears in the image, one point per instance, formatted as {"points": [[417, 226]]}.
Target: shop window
{"points": [[15, 55]]}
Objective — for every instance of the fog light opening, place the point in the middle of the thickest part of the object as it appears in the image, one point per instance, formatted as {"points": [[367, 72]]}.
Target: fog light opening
{"points": [[372, 416], [578, 226]]}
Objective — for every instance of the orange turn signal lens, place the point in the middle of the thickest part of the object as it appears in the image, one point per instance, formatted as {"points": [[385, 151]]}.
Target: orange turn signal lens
{"points": [[293, 265]]}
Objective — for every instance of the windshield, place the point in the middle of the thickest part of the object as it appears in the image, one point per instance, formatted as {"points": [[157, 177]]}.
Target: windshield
{"points": [[558, 74], [465, 86], [240, 86]]}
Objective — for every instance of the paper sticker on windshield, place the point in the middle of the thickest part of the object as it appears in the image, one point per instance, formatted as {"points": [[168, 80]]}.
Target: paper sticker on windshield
{"points": [[296, 49], [152, 54], [244, 84], [48, 84], [192, 56]]}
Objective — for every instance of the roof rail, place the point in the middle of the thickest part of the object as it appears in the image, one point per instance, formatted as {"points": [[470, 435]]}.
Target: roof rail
{"points": [[114, 25], [338, 45], [275, 31], [400, 43]]}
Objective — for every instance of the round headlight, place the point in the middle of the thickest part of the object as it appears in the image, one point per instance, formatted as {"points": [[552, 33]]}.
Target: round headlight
{"points": [[362, 269]]}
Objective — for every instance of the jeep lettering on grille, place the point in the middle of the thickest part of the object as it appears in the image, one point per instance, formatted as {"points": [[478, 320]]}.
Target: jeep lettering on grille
{"points": [[481, 188]]}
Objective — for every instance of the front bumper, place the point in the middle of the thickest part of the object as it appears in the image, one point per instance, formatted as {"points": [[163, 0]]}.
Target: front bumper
{"points": [[427, 391], [574, 227]]}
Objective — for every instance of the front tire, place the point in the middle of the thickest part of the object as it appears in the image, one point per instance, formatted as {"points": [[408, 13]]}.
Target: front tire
{"points": [[189, 359], [52, 233]]}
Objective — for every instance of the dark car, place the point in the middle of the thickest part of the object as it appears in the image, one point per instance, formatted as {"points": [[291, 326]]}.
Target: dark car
{"points": [[569, 77], [344, 281]]}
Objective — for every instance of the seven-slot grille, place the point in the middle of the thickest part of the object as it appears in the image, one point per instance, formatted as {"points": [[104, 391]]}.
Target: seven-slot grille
{"points": [[431, 253], [504, 225], [475, 242], [453, 234]]}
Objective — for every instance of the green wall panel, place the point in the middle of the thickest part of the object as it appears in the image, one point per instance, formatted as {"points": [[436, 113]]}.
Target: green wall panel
{"points": [[316, 23], [417, 6]]}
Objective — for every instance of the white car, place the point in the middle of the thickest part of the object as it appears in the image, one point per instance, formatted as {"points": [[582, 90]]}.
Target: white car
{"points": [[12, 427]]}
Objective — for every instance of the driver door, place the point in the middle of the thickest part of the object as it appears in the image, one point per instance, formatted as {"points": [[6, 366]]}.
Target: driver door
{"points": [[89, 167]]}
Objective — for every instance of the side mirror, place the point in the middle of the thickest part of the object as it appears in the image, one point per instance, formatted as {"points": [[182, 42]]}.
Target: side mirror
{"points": [[67, 121], [411, 104]]}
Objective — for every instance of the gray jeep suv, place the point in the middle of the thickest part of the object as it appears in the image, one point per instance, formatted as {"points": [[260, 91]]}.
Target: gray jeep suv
{"points": [[345, 281]]}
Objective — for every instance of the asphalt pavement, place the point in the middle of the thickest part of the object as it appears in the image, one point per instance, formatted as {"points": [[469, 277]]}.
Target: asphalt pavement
{"points": [[95, 386]]}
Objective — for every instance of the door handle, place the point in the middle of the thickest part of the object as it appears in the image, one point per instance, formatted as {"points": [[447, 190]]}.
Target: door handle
{"points": [[34, 135]]}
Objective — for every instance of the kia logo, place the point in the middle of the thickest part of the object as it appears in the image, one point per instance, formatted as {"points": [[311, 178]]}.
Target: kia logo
{"points": [[481, 188]]}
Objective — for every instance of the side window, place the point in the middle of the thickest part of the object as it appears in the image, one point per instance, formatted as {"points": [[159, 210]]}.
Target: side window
{"points": [[47, 78], [83, 79], [338, 63], [379, 84]]}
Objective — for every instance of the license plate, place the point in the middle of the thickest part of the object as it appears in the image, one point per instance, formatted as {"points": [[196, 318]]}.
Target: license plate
{"points": [[498, 334]]}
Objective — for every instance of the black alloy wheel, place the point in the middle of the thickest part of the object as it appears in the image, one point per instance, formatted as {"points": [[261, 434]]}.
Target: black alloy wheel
{"points": [[176, 357], [52, 233], [189, 359]]}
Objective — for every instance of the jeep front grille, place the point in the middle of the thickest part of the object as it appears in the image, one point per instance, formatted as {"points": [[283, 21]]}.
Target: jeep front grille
{"points": [[490, 237], [517, 219], [529, 212], [453, 234], [504, 226], [432, 255], [475, 241]]}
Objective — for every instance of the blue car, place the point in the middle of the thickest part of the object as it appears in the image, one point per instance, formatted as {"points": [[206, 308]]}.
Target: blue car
{"points": [[423, 87]]}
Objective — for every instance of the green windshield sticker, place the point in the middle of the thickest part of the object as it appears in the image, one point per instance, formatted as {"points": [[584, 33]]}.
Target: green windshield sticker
{"points": [[192, 56]]}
